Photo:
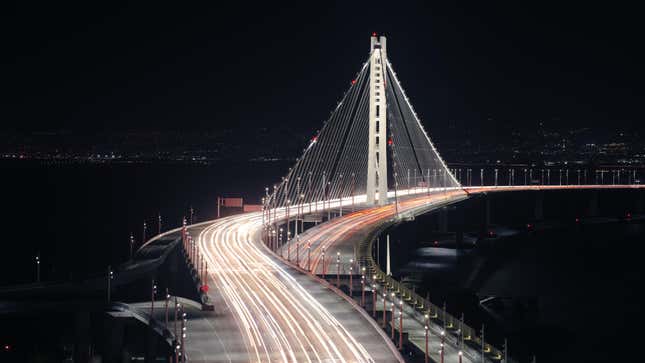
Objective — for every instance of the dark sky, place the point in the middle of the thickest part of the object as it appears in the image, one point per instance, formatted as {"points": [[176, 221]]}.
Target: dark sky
{"points": [[159, 66]]}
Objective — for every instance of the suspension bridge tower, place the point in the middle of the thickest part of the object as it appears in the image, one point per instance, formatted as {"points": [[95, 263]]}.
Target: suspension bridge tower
{"points": [[377, 138]]}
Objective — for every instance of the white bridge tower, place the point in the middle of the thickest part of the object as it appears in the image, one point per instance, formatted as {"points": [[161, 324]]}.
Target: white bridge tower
{"points": [[377, 147]]}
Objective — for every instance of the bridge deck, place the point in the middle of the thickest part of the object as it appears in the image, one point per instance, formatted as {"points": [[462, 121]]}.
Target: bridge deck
{"points": [[266, 310]]}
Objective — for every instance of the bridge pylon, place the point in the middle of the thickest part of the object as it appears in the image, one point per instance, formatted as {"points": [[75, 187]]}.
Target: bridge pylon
{"points": [[377, 136]]}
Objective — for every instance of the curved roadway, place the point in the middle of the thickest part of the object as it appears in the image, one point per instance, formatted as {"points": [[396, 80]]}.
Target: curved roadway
{"points": [[281, 314]]}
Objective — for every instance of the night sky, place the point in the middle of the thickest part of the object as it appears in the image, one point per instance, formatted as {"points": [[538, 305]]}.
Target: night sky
{"points": [[156, 66]]}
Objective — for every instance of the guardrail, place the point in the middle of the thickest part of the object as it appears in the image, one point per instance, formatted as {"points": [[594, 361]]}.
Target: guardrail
{"points": [[464, 335]]}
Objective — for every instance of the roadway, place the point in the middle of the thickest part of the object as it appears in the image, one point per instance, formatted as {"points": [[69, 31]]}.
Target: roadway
{"points": [[269, 311], [329, 248]]}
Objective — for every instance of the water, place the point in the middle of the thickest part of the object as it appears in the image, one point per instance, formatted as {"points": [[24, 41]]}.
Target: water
{"points": [[79, 217], [567, 293]]}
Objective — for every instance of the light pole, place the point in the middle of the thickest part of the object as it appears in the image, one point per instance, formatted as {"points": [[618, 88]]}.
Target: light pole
{"points": [[153, 292], [110, 276], [166, 306], [159, 223], [38, 267], [175, 320], [351, 271], [374, 292], [443, 338], [384, 307], [297, 250], [483, 345], [548, 176], [183, 336], [392, 319], [338, 269], [131, 245], [341, 194], [363, 288], [401, 325], [324, 268], [143, 234], [308, 256], [426, 350], [192, 213]]}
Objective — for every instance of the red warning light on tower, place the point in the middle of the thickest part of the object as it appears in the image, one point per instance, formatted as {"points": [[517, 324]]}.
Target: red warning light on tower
{"points": [[389, 142], [374, 34], [314, 139], [353, 81]]}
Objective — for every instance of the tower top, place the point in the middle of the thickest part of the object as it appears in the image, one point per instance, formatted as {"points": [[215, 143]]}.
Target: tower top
{"points": [[377, 42]]}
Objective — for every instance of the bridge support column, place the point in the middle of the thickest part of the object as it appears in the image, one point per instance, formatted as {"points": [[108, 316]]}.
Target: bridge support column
{"points": [[150, 345], [486, 214], [82, 336], [538, 211], [593, 209], [443, 219], [640, 202], [114, 337], [459, 230]]}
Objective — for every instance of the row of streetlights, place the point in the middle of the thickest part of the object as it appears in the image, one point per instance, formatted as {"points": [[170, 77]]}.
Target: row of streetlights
{"points": [[544, 175]]}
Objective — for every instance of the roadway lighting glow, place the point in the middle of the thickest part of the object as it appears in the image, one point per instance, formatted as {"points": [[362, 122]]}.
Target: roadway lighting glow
{"points": [[443, 332], [460, 353], [393, 294]]}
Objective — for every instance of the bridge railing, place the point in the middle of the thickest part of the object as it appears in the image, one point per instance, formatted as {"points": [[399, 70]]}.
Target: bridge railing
{"points": [[466, 336]]}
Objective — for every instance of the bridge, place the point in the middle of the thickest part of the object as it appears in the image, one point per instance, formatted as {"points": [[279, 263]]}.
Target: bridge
{"points": [[297, 282], [372, 163]]}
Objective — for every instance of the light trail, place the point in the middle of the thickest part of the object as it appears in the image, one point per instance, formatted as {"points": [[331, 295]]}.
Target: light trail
{"points": [[278, 318]]}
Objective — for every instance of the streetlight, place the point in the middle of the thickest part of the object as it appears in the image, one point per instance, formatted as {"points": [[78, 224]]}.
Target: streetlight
{"points": [[153, 292], [38, 267], [374, 292], [392, 320], [384, 308], [443, 338], [363, 287], [166, 306], [426, 350], [308, 256], [131, 244], [183, 336], [400, 324], [110, 276], [297, 249], [338, 269], [143, 234]]}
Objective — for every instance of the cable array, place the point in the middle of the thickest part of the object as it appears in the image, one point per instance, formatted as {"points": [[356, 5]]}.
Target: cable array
{"points": [[334, 164]]}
